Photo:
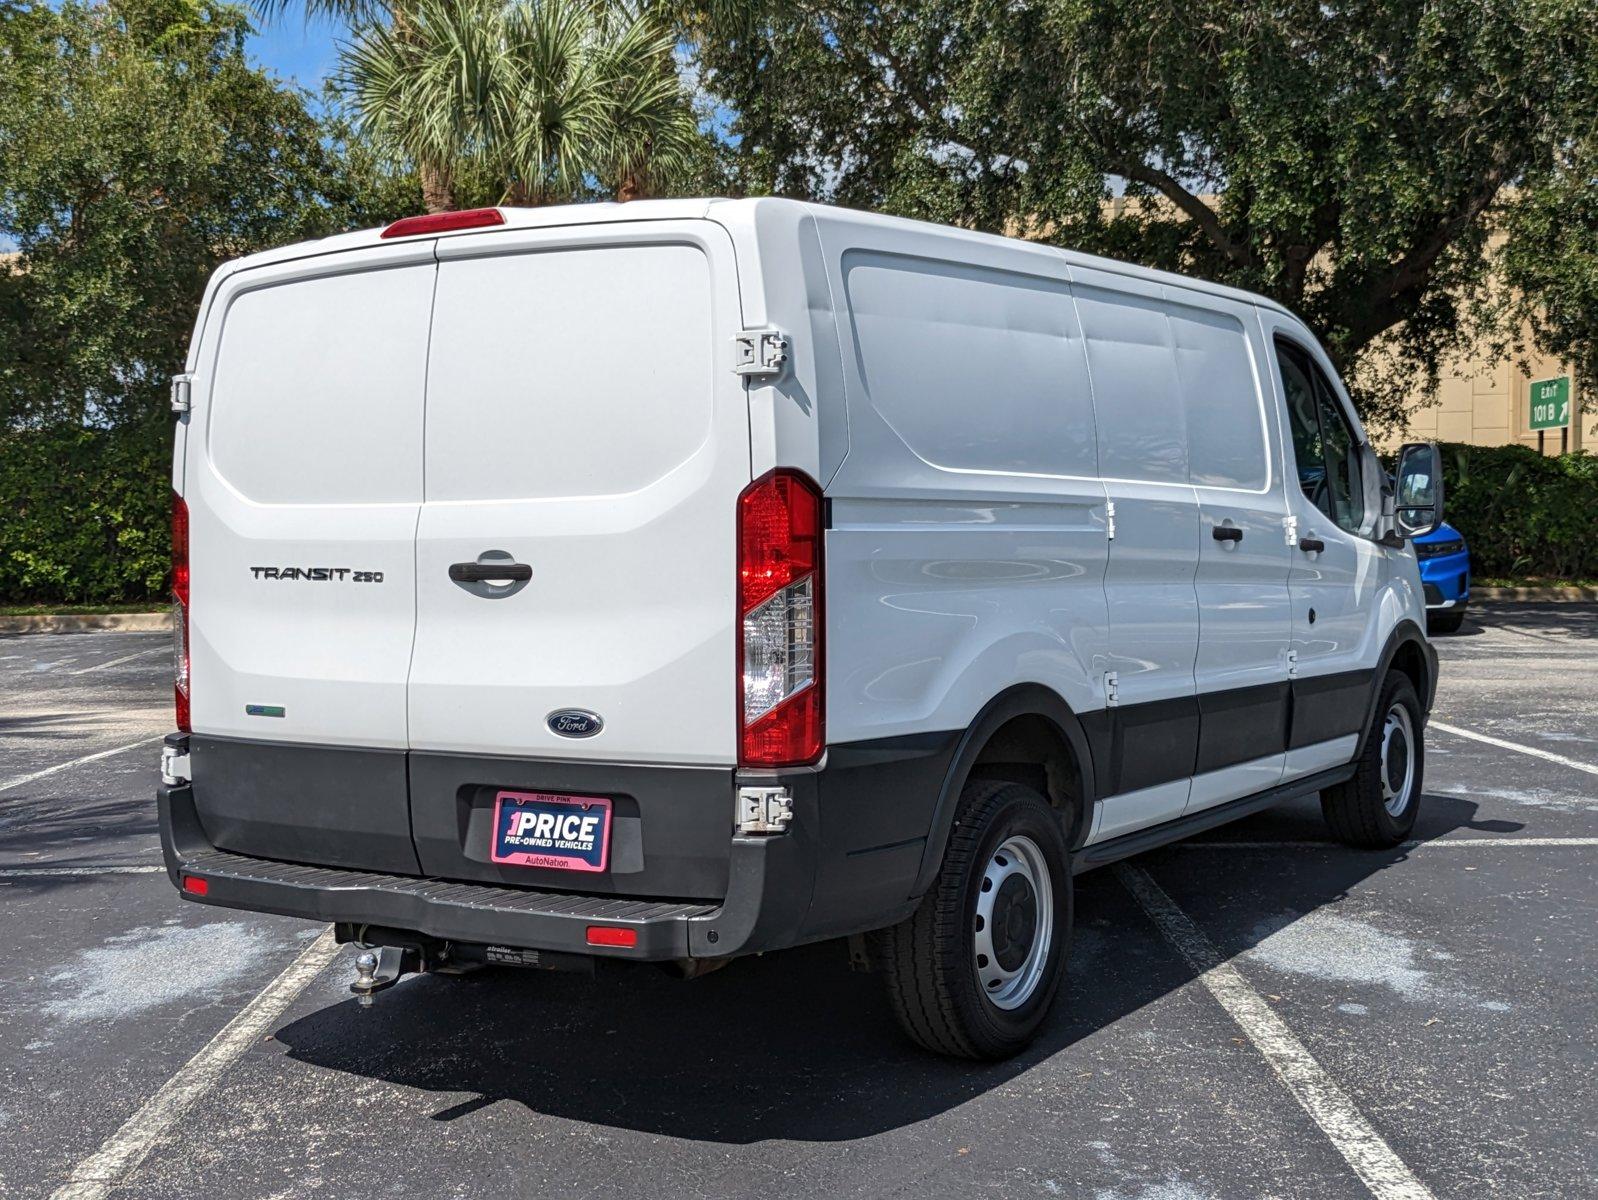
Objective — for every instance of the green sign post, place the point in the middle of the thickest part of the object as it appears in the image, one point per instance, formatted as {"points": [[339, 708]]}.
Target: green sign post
{"points": [[1550, 403]]}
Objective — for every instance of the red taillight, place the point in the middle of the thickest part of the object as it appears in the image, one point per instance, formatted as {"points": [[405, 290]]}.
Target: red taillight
{"points": [[195, 886], [466, 218], [180, 611], [779, 621], [612, 935]]}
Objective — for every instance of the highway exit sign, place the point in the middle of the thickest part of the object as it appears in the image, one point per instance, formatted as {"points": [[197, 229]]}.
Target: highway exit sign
{"points": [[1550, 403]]}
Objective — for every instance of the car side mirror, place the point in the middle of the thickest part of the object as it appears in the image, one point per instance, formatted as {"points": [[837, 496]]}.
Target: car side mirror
{"points": [[1418, 490]]}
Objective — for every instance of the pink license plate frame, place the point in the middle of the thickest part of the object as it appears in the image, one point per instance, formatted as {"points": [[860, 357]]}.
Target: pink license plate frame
{"points": [[550, 830]]}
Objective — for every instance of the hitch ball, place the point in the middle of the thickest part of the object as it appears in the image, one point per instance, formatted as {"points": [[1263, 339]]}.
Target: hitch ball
{"points": [[365, 978]]}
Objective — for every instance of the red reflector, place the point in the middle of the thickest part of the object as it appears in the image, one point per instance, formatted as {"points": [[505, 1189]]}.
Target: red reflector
{"points": [[195, 886], [611, 935], [467, 218]]}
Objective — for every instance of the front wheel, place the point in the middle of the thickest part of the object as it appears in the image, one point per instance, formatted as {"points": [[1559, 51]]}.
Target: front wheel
{"points": [[973, 972], [1377, 806]]}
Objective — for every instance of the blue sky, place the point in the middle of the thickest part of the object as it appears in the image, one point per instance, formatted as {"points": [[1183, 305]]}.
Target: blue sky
{"points": [[294, 49]]}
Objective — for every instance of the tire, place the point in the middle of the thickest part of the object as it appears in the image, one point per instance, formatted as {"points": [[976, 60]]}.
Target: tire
{"points": [[1445, 622], [948, 999], [1377, 807]]}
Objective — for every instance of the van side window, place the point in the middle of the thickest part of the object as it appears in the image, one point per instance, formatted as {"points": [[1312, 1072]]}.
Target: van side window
{"points": [[973, 369], [1342, 459], [1323, 442], [1137, 394], [1225, 427]]}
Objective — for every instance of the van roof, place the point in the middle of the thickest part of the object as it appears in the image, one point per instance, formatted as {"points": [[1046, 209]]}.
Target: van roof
{"points": [[770, 210]]}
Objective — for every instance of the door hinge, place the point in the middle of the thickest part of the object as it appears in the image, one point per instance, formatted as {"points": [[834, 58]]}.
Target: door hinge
{"points": [[1292, 663], [182, 385], [1290, 524], [1109, 520], [1112, 689], [764, 810], [760, 353]]}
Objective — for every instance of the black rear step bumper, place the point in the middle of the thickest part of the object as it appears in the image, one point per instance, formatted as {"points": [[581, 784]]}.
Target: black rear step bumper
{"points": [[767, 900]]}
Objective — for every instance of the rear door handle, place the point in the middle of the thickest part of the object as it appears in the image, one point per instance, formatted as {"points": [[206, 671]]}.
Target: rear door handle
{"points": [[1311, 545], [1226, 533], [490, 572]]}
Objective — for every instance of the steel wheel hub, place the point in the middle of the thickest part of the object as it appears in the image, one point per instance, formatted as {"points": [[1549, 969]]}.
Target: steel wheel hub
{"points": [[1398, 760], [1013, 928]]}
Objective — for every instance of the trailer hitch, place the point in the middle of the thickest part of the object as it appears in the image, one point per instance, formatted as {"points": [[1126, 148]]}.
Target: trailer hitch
{"points": [[381, 968]]}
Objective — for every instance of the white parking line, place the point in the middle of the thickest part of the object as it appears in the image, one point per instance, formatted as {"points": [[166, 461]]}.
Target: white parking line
{"points": [[1435, 843], [67, 872], [111, 1165], [1575, 764], [1382, 1171], [117, 662], [7, 784]]}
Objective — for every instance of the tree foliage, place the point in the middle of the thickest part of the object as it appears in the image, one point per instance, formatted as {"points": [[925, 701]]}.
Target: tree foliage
{"points": [[1550, 253], [1523, 513], [138, 150], [526, 102], [1347, 158]]}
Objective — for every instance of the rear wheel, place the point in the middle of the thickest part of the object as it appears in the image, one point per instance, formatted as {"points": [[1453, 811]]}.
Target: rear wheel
{"points": [[973, 972], [1377, 806], [1446, 621]]}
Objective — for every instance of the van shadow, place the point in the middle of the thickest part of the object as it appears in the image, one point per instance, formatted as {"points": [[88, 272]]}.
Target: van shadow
{"points": [[788, 1046]]}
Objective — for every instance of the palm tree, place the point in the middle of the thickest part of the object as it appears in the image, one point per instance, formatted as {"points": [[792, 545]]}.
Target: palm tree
{"points": [[652, 135], [545, 99], [436, 175]]}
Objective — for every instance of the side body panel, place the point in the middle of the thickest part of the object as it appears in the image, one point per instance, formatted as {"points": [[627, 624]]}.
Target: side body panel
{"points": [[968, 538], [1245, 615], [1149, 585]]}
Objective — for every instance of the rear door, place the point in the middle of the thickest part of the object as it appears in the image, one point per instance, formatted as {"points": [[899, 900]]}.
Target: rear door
{"points": [[303, 484], [585, 431]]}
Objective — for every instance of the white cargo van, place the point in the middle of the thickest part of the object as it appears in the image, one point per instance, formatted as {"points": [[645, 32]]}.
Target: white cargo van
{"points": [[687, 579]]}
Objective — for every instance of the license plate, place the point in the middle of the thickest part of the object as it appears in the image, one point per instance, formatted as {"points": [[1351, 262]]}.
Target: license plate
{"points": [[541, 829]]}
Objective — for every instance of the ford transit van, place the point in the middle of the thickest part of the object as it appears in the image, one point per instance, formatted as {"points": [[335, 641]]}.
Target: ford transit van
{"points": [[684, 580]]}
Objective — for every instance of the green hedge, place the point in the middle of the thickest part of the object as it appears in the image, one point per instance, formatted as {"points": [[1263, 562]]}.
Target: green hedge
{"points": [[1523, 513], [84, 514]]}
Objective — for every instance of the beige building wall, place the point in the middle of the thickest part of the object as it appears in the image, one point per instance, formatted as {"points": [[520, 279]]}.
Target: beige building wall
{"points": [[1486, 402]]}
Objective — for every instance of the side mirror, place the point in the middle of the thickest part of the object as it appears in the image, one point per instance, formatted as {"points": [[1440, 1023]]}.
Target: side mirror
{"points": [[1418, 499]]}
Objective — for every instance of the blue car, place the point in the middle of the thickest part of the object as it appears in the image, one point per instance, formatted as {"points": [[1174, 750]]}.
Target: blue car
{"points": [[1445, 575]]}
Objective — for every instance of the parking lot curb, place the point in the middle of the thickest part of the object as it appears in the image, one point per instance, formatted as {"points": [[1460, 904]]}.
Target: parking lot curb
{"points": [[138, 622], [1534, 593]]}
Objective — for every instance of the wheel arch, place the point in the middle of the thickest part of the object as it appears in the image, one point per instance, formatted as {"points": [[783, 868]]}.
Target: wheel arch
{"points": [[1407, 651], [1026, 734]]}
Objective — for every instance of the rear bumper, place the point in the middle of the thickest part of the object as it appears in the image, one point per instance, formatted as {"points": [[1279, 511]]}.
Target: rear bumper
{"points": [[847, 863], [767, 898]]}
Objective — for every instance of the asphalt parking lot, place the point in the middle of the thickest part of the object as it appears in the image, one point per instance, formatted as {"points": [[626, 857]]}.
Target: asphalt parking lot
{"points": [[1251, 1015]]}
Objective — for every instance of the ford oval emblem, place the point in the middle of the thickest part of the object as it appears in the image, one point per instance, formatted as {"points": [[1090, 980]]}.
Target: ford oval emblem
{"points": [[574, 723]]}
